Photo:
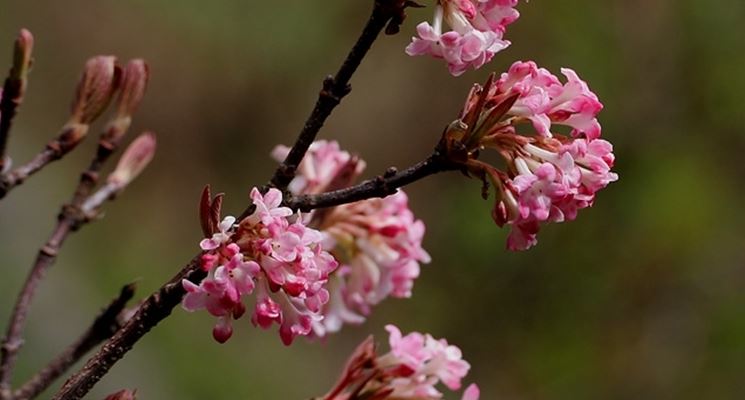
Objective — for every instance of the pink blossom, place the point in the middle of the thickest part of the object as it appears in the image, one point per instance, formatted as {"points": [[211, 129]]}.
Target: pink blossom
{"points": [[477, 32], [418, 362], [545, 101], [272, 250], [220, 237], [379, 243], [549, 175], [413, 368], [322, 164]]}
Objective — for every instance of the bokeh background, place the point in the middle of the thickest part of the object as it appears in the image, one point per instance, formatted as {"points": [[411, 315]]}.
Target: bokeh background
{"points": [[643, 297]]}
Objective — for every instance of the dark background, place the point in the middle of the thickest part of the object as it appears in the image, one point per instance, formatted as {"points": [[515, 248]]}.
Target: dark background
{"points": [[643, 297]]}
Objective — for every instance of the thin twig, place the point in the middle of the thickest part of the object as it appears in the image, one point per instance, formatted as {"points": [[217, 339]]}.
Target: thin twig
{"points": [[96, 88], [381, 186], [104, 326], [153, 310], [334, 89], [71, 217]]}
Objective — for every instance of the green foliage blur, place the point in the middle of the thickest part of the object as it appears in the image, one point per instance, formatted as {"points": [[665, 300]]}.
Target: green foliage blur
{"points": [[643, 297]]}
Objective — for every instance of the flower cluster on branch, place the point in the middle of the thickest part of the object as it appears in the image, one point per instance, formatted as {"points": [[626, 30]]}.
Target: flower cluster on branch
{"points": [[316, 249]]}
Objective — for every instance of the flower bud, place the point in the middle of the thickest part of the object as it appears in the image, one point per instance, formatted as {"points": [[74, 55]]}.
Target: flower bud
{"points": [[96, 87], [134, 160]]}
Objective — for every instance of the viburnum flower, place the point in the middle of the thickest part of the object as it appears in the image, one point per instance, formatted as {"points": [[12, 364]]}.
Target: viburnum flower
{"points": [[549, 175], [378, 242], [379, 245], [281, 259], [411, 370], [478, 27]]}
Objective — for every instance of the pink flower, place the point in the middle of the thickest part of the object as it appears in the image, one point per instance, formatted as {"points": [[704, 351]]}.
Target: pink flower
{"points": [[220, 237], [323, 163], [477, 30], [284, 259], [544, 100], [379, 242], [549, 176], [412, 370]]}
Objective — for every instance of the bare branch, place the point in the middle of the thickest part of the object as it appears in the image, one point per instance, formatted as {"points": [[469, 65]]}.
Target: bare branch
{"points": [[381, 186], [336, 87], [104, 326]]}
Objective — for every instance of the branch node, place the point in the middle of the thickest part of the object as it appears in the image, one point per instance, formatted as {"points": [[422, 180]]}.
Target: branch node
{"points": [[48, 251]]}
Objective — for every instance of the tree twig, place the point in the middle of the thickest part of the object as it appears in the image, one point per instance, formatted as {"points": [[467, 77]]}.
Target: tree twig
{"points": [[335, 88], [83, 206], [104, 326], [153, 310], [381, 186], [99, 82]]}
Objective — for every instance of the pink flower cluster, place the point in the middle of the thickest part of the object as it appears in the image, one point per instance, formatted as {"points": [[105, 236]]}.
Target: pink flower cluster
{"points": [[323, 166], [411, 370], [378, 242], [282, 261], [418, 362], [478, 27], [550, 176], [379, 245]]}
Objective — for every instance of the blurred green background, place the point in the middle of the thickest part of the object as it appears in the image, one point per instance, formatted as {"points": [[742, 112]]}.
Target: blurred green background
{"points": [[643, 297]]}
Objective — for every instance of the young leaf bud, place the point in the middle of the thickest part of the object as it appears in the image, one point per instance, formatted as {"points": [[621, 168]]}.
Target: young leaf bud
{"points": [[96, 87], [134, 160]]}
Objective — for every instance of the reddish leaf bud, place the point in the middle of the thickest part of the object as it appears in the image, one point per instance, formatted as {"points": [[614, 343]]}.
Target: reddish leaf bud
{"points": [[97, 86], [134, 82], [134, 160]]}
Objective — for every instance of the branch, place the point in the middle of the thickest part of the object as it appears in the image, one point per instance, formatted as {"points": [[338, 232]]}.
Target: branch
{"points": [[336, 87], [153, 310], [103, 327], [72, 216], [99, 82], [381, 186]]}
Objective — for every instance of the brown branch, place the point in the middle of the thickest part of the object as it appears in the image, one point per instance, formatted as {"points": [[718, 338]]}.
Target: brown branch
{"points": [[381, 186], [72, 216], [12, 341], [153, 310], [336, 87], [100, 79], [104, 326]]}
